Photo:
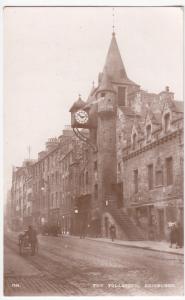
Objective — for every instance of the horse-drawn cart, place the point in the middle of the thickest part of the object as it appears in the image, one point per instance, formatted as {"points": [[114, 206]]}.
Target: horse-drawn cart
{"points": [[27, 246]]}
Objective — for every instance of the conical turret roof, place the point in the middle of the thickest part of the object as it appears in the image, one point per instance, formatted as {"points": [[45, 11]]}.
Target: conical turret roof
{"points": [[78, 104], [114, 66]]}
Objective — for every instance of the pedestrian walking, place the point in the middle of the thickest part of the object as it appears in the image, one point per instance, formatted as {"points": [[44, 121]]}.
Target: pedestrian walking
{"points": [[173, 235], [32, 235], [112, 232]]}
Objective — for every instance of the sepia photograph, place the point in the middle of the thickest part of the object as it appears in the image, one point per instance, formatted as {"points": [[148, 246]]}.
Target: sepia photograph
{"points": [[93, 151]]}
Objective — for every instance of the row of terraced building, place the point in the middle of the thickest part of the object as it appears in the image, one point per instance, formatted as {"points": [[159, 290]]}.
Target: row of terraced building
{"points": [[127, 170]]}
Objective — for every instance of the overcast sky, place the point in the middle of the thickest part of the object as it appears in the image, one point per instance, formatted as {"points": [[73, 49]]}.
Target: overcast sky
{"points": [[51, 54]]}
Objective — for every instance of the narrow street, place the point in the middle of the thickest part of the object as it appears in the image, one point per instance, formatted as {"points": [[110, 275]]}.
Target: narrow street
{"points": [[72, 266]]}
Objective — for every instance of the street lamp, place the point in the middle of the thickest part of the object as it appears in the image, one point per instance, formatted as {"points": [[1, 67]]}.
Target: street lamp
{"points": [[48, 190]]}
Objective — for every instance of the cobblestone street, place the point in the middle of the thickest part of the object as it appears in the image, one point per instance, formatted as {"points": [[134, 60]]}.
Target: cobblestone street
{"points": [[72, 266]]}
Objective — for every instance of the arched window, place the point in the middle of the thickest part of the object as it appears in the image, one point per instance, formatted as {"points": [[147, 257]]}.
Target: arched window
{"points": [[167, 122], [148, 132]]}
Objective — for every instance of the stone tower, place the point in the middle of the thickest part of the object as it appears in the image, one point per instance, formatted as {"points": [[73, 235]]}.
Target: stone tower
{"points": [[112, 92]]}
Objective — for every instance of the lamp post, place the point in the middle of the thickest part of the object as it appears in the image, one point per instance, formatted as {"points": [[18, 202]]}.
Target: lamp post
{"points": [[48, 191], [76, 211]]}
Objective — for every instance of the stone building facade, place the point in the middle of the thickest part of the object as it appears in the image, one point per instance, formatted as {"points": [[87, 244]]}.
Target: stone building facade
{"points": [[138, 138], [150, 166], [121, 164]]}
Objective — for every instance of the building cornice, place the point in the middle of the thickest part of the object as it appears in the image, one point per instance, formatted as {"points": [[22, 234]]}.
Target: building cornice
{"points": [[151, 145]]}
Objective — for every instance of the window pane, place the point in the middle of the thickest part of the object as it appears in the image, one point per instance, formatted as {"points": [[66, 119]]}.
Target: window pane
{"points": [[150, 177], [159, 177], [136, 181], [121, 96], [169, 171]]}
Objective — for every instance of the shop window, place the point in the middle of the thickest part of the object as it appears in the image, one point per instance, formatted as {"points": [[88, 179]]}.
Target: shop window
{"points": [[150, 176], [121, 96], [136, 181], [169, 171]]}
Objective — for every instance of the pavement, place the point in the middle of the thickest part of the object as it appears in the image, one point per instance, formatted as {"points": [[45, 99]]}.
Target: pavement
{"points": [[71, 266], [160, 246]]}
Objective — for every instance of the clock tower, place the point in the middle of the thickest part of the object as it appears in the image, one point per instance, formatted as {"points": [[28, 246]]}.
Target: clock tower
{"points": [[99, 115]]}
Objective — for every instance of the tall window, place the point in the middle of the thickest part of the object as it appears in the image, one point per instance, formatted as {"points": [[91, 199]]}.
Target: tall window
{"points": [[134, 141], [121, 96], [169, 171], [87, 178], [167, 122], [96, 191], [150, 177], [148, 132], [136, 181], [159, 177], [56, 199]]}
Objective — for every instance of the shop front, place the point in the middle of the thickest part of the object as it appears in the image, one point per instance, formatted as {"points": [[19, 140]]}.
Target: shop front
{"points": [[82, 209]]}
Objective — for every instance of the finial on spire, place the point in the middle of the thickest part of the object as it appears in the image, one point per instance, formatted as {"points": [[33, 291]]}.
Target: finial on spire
{"points": [[113, 21]]}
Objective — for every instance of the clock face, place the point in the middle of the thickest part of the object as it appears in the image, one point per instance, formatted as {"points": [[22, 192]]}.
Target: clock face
{"points": [[81, 116]]}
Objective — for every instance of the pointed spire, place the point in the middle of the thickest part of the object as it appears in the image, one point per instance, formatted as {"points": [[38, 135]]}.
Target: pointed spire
{"points": [[113, 20], [114, 64]]}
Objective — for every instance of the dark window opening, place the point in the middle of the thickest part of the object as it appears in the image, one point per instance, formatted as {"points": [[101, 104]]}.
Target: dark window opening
{"points": [[167, 122], [150, 176], [121, 96], [159, 177], [169, 171], [102, 94], [134, 140], [96, 191], [136, 181], [87, 178], [148, 132]]}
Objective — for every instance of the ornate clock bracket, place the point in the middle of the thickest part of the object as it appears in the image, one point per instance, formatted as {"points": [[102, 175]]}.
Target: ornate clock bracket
{"points": [[84, 138]]}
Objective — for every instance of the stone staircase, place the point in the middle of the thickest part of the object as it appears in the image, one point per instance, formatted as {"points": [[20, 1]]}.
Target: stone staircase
{"points": [[132, 231]]}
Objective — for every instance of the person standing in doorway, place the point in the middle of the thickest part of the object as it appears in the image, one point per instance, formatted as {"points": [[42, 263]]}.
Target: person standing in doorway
{"points": [[112, 232]]}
